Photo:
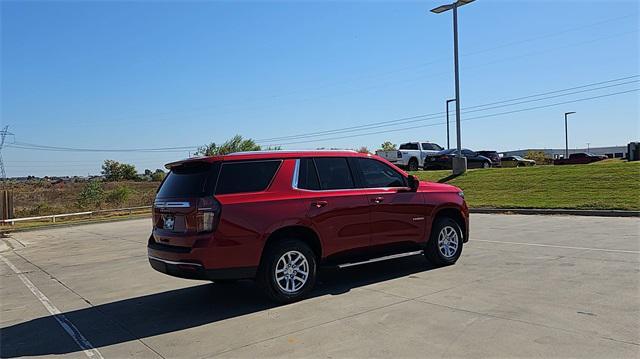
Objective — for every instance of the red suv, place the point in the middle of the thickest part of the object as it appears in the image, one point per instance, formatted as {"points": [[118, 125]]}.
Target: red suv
{"points": [[277, 216]]}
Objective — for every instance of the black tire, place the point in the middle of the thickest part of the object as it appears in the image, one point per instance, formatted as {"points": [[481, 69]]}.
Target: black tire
{"points": [[519, 165], [486, 165], [432, 251], [413, 164], [266, 277]]}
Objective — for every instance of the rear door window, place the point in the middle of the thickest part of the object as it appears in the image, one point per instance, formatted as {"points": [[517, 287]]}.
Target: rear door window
{"points": [[249, 176], [334, 173], [191, 179], [377, 174], [409, 146]]}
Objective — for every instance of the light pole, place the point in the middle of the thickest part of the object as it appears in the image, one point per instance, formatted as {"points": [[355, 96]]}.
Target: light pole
{"points": [[459, 162], [588, 145], [451, 100], [566, 134]]}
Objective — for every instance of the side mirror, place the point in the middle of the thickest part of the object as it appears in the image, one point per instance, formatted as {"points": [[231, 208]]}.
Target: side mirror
{"points": [[413, 182]]}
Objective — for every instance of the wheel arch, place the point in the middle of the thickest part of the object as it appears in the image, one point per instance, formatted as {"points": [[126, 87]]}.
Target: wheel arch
{"points": [[454, 213], [300, 232]]}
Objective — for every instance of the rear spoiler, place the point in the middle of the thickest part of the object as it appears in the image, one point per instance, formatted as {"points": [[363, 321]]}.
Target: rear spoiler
{"points": [[209, 159]]}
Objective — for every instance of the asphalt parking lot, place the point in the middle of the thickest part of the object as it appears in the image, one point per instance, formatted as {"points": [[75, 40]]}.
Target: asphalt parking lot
{"points": [[526, 286]]}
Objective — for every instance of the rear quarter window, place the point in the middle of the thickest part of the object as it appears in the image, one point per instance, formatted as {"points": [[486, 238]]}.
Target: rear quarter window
{"points": [[249, 176]]}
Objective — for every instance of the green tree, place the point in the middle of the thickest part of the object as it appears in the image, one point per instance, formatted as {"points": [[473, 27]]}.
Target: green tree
{"points": [[158, 175], [119, 195], [116, 171], [388, 146], [91, 195], [235, 144], [540, 157]]}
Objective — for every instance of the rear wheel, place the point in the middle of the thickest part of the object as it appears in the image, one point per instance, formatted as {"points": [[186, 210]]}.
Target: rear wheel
{"points": [[413, 164], [486, 165], [288, 271], [445, 244]]}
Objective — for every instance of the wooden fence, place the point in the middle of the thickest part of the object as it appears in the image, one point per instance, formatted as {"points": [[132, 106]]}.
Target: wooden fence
{"points": [[6, 204]]}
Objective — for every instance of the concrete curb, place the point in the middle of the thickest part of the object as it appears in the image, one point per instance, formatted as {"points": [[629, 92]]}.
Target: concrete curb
{"points": [[567, 212]]}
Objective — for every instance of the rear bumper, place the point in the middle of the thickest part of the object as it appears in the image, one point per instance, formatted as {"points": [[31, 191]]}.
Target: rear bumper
{"points": [[196, 263], [192, 270]]}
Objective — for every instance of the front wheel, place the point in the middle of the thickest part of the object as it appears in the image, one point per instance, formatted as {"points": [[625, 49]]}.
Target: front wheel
{"points": [[413, 164], [486, 165], [445, 243], [288, 271]]}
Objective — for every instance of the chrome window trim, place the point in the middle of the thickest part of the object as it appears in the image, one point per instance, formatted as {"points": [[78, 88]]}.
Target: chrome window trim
{"points": [[296, 174], [354, 189], [165, 204], [174, 262]]}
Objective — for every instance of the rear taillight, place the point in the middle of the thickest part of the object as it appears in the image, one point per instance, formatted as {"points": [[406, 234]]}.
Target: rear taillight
{"points": [[208, 214], [399, 154]]}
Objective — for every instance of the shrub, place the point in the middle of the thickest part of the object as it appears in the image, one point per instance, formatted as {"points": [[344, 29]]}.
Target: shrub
{"points": [[540, 157], [388, 146], [158, 175], [119, 195], [91, 195]]}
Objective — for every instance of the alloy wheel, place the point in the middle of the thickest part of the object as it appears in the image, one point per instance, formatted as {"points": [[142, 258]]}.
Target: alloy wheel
{"points": [[291, 272], [448, 241]]}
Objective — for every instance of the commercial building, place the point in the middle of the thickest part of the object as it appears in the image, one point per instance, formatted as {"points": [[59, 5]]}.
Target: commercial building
{"points": [[611, 152]]}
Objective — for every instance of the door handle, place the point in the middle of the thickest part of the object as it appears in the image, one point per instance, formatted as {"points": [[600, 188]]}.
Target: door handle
{"points": [[378, 200], [319, 204]]}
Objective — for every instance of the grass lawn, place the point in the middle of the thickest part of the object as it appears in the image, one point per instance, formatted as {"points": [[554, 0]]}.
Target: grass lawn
{"points": [[609, 184]]}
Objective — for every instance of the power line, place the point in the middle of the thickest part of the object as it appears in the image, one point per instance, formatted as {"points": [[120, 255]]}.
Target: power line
{"points": [[435, 115], [395, 122], [468, 119], [26, 145]]}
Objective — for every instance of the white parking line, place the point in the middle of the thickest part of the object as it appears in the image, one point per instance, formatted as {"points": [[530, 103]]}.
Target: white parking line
{"points": [[554, 246], [68, 327]]}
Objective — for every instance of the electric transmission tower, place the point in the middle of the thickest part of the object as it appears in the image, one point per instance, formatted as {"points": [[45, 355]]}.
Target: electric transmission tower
{"points": [[3, 134]]}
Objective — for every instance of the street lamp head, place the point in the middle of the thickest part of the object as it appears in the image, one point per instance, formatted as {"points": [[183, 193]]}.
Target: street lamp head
{"points": [[451, 100], [569, 113], [443, 8]]}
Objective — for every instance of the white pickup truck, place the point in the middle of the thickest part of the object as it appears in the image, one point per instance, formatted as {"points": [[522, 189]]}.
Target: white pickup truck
{"points": [[411, 154]]}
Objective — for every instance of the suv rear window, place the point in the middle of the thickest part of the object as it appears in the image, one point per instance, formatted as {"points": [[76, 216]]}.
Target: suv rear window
{"points": [[250, 176], [409, 146], [191, 179], [334, 173]]}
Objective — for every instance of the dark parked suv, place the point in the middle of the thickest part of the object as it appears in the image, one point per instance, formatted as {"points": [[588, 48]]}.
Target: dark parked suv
{"points": [[277, 216]]}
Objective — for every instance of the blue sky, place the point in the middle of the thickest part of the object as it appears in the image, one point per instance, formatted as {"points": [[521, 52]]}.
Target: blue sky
{"points": [[105, 75]]}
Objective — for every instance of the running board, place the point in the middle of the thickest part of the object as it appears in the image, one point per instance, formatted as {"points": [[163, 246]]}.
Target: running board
{"points": [[380, 259]]}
